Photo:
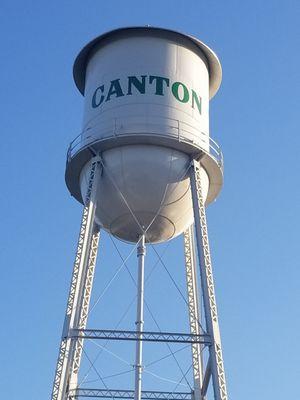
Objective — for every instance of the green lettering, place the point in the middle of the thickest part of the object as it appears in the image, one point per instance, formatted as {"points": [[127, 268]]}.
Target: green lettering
{"points": [[184, 96], [95, 102], [115, 89], [159, 89], [196, 99], [139, 85]]}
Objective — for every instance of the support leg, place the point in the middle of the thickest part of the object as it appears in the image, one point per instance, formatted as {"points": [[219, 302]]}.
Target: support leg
{"points": [[141, 251], [85, 306], [209, 301], [206, 378], [76, 295], [194, 311]]}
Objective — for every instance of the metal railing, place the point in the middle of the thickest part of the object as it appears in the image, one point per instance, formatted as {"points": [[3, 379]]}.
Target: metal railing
{"points": [[164, 127]]}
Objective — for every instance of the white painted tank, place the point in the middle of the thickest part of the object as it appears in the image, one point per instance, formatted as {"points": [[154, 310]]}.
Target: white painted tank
{"points": [[146, 110]]}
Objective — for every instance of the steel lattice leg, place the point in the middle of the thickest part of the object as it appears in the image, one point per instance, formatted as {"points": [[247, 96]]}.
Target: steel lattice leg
{"points": [[79, 294], [194, 310], [209, 300], [85, 305]]}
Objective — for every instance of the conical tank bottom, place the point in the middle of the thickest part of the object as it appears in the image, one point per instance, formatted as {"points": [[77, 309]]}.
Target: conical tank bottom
{"points": [[143, 188]]}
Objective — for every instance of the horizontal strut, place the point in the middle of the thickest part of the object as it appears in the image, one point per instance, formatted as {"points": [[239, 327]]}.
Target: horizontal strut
{"points": [[128, 394], [134, 335]]}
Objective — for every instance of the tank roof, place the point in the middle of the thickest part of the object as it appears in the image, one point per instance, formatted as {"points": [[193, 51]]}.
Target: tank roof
{"points": [[214, 66]]}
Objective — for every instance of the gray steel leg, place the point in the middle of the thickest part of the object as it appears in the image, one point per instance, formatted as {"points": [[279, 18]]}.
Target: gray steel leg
{"points": [[85, 257], [85, 305], [194, 310], [209, 300]]}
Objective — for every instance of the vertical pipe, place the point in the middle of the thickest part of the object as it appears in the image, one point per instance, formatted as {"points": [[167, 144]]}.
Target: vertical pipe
{"points": [[141, 252]]}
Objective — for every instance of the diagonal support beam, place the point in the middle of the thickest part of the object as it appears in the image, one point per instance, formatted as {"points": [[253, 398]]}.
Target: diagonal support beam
{"points": [[208, 290], [87, 291], [206, 378], [194, 310]]}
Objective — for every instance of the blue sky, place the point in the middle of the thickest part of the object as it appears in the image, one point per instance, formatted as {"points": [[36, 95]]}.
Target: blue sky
{"points": [[253, 225]]}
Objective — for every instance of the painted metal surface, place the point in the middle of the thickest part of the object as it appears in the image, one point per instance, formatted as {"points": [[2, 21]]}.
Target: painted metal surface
{"points": [[216, 365], [141, 253], [194, 308], [166, 337], [128, 394], [145, 80], [145, 88], [65, 374], [79, 69], [74, 332], [146, 120], [144, 188]]}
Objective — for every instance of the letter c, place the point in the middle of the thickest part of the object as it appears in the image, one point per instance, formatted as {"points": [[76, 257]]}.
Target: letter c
{"points": [[96, 101]]}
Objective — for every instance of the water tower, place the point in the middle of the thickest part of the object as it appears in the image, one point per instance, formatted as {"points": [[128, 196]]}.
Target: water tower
{"points": [[144, 167]]}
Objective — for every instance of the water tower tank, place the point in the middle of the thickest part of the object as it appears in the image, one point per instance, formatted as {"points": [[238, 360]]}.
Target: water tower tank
{"points": [[146, 112]]}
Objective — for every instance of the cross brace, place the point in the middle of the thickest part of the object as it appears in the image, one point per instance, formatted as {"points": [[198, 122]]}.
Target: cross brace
{"points": [[133, 335], [128, 394]]}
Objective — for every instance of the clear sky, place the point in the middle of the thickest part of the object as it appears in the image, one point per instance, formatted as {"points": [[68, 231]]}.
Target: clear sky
{"points": [[253, 225]]}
